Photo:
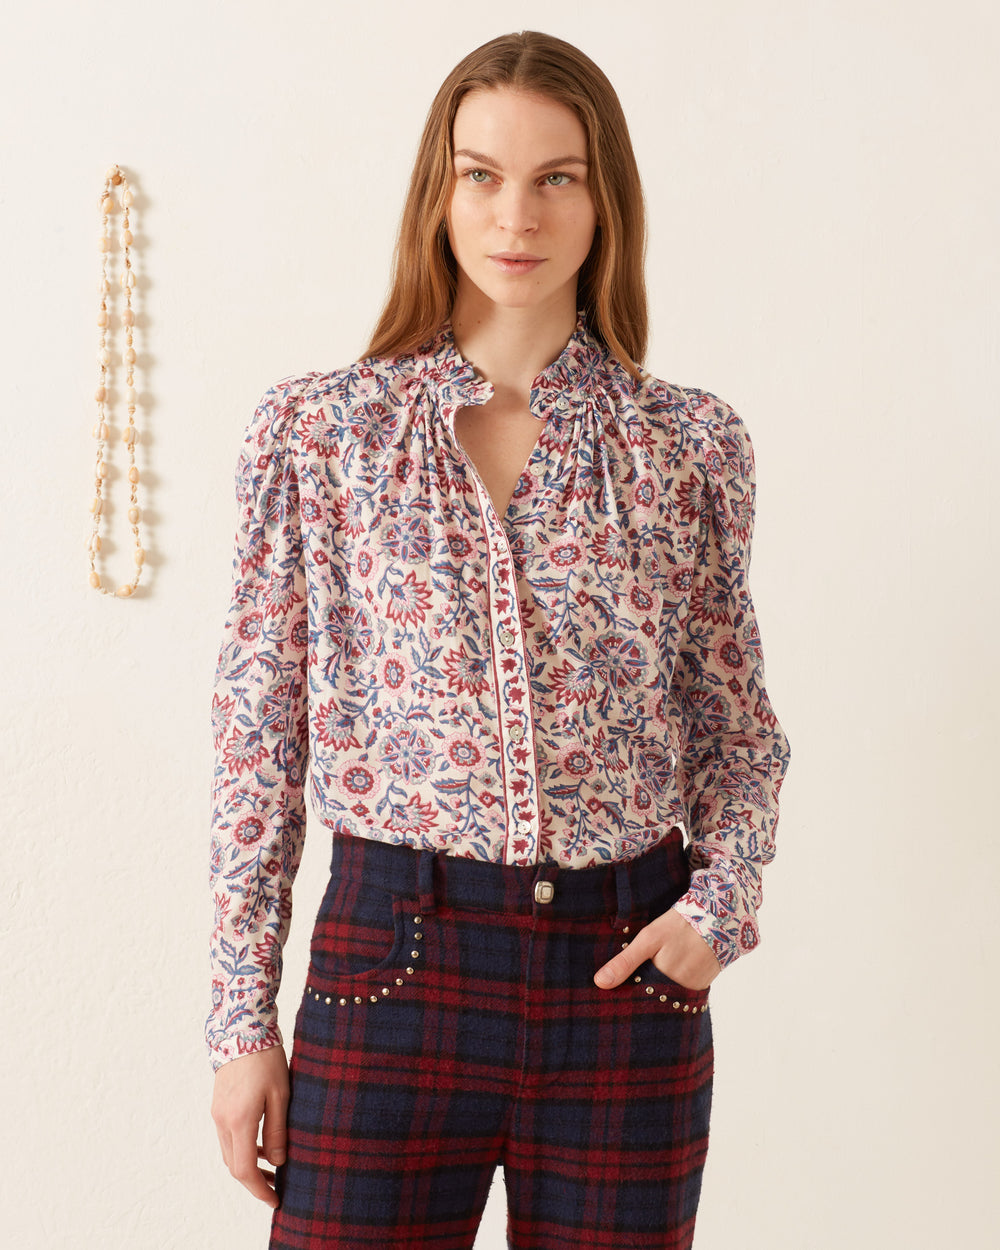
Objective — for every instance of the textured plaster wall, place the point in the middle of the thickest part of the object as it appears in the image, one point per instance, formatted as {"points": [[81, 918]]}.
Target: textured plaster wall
{"points": [[823, 186]]}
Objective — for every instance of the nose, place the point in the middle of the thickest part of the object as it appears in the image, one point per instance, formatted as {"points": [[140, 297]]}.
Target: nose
{"points": [[517, 209]]}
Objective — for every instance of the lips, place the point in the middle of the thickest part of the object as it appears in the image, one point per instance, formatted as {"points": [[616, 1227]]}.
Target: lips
{"points": [[516, 262]]}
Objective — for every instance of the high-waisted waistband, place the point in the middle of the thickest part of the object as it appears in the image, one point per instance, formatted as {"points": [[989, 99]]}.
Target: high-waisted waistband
{"points": [[622, 889]]}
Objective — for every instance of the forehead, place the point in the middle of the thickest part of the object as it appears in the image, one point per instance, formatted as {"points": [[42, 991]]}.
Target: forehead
{"points": [[506, 123]]}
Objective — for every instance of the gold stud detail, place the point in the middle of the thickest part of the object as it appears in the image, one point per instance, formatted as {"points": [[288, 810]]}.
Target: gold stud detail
{"points": [[650, 990], [317, 998], [409, 972], [373, 998], [343, 1002], [624, 944], [399, 980], [309, 989], [418, 920], [676, 1006], [626, 929], [685, 1006], [385, 989], [414, 954], [357, 1000], [663, 998], [638, 980], [328, 1002], [418, 937]]}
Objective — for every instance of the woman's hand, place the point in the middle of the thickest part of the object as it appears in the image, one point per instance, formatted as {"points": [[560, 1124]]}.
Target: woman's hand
{"points": [[673, 946], [245, 1090]]}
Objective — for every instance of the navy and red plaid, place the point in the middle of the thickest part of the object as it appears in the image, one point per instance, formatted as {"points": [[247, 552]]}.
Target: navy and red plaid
{"points": [[450, 1024]]}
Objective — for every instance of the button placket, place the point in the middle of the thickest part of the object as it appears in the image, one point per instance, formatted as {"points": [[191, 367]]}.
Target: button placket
{"points": [[515, 730], [510, 668]]}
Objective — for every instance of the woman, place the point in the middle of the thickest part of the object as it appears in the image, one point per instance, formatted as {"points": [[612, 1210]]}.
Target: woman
{"points": [[491, 582]]}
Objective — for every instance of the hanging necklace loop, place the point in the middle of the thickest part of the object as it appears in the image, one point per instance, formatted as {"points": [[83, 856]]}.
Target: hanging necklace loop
{"points": [[115, 180]]}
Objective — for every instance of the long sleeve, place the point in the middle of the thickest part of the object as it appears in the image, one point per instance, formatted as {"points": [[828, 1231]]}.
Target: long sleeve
{"points": [[731, 752], [261, 742]]}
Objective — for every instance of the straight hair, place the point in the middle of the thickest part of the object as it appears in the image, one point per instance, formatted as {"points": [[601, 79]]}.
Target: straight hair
{"points": [[611, 285]]}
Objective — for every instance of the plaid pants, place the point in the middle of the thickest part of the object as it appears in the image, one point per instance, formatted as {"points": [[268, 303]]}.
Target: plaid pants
{"points": [[450, 1024]]}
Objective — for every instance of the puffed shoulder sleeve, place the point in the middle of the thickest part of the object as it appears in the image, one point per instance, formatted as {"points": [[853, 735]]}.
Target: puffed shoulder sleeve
{"points": [[732, 754], [261, 741]]}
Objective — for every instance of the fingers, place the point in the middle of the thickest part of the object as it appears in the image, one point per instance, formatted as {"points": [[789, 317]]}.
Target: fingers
{"points": [[673, 945], [626, 961], [236, 1157], [273, 1135], [244, 1166]]}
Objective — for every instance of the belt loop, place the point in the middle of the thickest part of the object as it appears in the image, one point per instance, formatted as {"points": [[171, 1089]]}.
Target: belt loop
{"points": [[624, 883], [425, 880]]}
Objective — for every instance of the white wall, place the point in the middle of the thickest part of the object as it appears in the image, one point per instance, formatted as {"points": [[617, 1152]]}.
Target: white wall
{"points": [[823, 186]]}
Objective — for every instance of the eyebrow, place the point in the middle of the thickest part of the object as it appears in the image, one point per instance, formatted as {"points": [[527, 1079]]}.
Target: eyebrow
{"points": [[482, 159]]}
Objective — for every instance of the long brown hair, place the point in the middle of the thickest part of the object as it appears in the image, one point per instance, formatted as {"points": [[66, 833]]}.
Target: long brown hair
{"points": [[611, 286]]}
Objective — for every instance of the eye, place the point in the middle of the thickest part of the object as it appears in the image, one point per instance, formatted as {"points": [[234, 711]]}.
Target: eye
{"points": [[558, 180], [478, 176]]}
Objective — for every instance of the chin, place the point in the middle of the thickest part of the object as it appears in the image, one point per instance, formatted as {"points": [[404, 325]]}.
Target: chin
{"points": [[517, 293], [517, 301], [508, 296]]}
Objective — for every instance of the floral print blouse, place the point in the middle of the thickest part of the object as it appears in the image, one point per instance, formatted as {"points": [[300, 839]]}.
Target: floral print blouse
{"points": [[564, 683]]}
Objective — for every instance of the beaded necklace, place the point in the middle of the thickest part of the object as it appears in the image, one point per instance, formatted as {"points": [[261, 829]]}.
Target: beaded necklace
{"points": [[115, 178]]}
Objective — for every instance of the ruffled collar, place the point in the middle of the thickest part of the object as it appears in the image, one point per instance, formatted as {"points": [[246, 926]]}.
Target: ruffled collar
{"points": [[583, 366]]}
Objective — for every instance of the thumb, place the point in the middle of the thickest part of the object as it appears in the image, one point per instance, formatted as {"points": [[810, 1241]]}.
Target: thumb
{"points": [[625, 962], [274, 1133]]}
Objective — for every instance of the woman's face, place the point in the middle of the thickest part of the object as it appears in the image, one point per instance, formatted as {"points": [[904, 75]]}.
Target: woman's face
{"points": [[521, 218]]}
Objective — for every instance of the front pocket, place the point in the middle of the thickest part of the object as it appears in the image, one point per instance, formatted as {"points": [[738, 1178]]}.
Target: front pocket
{"points": [[343, 971], [359, 931], [657, 986]]}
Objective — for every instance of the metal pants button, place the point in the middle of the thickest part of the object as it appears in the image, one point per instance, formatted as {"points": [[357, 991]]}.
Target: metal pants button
{"points": [[545, 891]]}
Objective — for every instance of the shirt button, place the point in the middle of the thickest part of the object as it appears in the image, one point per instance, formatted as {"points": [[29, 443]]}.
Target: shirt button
{"points": [[524, 826], [562, 403], [506, 637], [517, 733]]}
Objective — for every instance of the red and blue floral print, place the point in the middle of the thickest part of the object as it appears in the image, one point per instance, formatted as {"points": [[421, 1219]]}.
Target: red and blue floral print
{"points": [[563, 683]]}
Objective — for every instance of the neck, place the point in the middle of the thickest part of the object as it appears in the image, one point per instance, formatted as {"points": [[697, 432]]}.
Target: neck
{"points": [[510, 346]]}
